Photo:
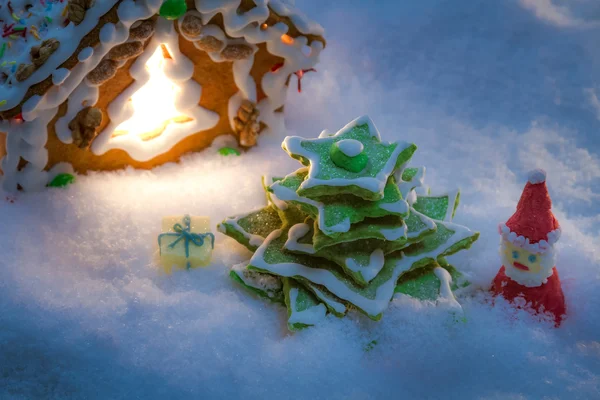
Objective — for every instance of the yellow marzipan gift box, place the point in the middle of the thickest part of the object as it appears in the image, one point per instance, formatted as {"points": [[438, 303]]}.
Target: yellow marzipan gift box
{"points": [[185, 242]]}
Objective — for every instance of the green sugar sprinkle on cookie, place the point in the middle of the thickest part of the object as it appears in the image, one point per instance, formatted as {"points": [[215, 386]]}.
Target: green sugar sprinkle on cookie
{"points": [[423, 284], [252, 228], [348, 230], [441, 207]]}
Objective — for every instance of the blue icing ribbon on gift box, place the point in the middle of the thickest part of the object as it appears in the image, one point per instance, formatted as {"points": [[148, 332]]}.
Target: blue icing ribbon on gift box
{"points": [[183, 232]]}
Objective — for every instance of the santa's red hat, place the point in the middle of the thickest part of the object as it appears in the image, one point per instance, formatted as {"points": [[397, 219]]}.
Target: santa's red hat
{"points": [[533, 227]]}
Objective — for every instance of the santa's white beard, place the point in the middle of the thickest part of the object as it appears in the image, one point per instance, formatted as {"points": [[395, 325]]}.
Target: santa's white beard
{"points": [[525, 278]]}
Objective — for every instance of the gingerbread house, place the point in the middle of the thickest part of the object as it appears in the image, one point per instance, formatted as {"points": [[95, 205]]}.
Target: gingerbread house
{"points": [[105, 84]]}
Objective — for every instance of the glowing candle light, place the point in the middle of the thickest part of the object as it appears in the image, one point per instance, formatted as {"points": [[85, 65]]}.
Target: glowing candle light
{"points": [[154, 103]]}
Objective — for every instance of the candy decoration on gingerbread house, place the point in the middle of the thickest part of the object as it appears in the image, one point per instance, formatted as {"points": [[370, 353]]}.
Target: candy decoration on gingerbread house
{"points": [[101, 85], [528, 276]]}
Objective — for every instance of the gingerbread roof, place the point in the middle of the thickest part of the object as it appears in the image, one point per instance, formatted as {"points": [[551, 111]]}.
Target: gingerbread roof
{"points": [[44, 40]]}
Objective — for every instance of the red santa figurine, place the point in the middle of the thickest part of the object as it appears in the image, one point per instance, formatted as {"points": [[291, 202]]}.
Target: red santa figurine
{"points": [[528, 269]]}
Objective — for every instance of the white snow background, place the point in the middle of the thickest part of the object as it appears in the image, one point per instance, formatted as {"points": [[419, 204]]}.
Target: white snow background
{"points": [[487, 90]]}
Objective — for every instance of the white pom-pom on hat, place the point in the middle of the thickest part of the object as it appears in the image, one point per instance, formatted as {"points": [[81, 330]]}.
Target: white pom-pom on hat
{"points": [[537, 176]]}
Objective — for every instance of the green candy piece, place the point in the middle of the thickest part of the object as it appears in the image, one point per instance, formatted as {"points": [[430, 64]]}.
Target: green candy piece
{"points": [[173, 9], [342, 160], [228, 151], [62, 180]]}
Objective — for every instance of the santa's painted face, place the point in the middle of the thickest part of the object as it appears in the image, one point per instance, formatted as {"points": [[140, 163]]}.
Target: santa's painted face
{"points": [[521, 259], [526, 268]]}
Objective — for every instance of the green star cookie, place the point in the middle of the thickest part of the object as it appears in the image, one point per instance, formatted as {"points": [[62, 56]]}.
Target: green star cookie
{"points": [[361, 260], [329, 176], [334, 304], [374, 298], [338, 213], [266, 182], [303, 308], [440, 207], [423, 284], [264, 285], [409, 179], [389, 229], [252, 228]]}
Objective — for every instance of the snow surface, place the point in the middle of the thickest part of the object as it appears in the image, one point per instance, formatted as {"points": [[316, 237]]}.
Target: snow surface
{"points": [[487, 90]]}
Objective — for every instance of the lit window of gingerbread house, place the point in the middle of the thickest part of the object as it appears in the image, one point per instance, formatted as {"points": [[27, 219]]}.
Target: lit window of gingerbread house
{"points": [[101, 85]]}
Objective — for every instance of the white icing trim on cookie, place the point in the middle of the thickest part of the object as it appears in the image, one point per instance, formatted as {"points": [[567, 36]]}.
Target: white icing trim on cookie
{"points": [[253, 240], [446, 294], [429, 224], [406, 187], [395, 233], [350, 147], [400, 206], [340, 308], [264, 282], [296, 233], [282, 205], [311, 316], [369, 271]]}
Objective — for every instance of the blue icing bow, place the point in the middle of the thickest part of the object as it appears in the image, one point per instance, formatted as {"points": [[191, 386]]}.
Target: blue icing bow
{"points": [[183, 232]]}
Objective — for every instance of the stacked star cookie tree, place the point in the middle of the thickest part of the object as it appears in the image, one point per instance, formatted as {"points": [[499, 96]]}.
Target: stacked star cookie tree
{"points": [[347, 230]]}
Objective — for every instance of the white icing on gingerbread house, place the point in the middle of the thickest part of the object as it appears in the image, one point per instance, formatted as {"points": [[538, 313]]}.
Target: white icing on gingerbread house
{"points": [[101, 85]]}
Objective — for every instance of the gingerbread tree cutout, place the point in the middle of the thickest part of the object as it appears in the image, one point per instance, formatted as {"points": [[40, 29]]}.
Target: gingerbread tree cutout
{"points": [[154, 103], [161, 107]]}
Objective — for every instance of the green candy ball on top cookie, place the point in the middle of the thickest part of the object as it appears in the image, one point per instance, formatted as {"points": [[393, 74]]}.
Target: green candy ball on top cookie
{"points": [[353, 161]]}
